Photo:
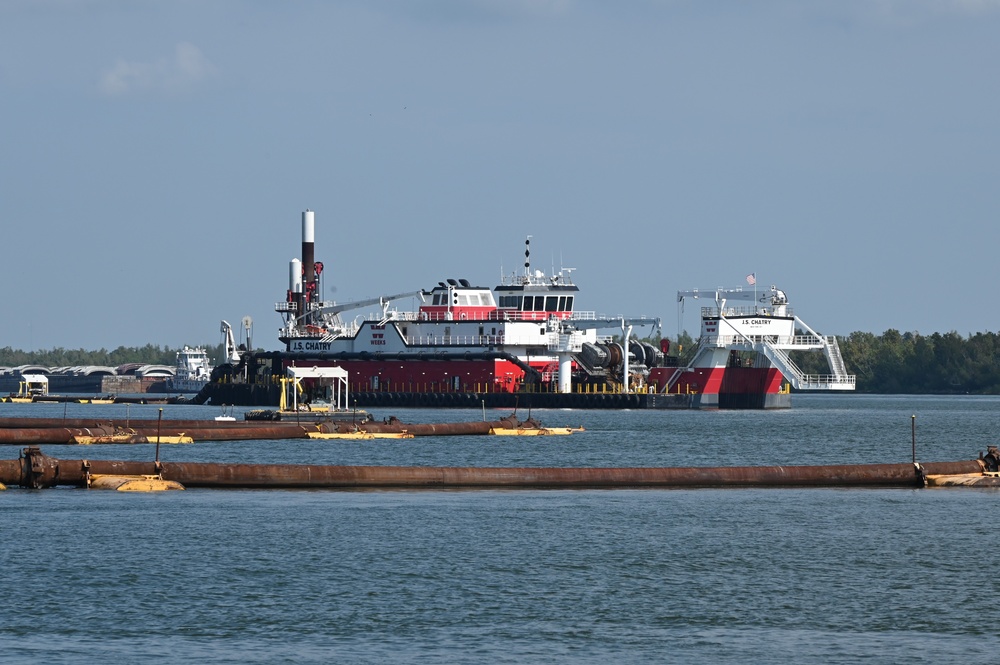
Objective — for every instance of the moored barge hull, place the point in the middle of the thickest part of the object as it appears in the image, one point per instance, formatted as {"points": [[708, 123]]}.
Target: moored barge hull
{"points": [[262, 395]]}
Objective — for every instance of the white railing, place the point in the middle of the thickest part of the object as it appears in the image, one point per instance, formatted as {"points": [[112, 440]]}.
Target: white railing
{"points": [[834, 357], [495, 315], [783, 341], [477, 340], [828, 381], [801, 381], [745, 310], [439, 340]]}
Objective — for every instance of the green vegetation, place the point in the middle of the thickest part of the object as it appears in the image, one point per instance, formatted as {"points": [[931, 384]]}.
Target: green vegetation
{"points": [[147, 355], [911, 363]]}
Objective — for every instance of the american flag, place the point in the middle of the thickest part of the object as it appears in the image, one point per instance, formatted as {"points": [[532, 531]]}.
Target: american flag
{"points": [[752, 278]]}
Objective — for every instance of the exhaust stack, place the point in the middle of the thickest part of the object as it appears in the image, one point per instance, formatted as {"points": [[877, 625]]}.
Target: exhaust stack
{"points": [[308, 255]]}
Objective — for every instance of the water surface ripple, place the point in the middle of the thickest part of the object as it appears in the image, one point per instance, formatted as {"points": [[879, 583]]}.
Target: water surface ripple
{"points": [[642, 576]]}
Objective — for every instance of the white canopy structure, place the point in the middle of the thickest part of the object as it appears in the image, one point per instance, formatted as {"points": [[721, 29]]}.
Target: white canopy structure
{"points": [[33, 384], [326, 390]]}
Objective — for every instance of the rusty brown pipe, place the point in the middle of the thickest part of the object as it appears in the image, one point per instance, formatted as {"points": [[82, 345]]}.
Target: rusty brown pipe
{"points": [[54, 431], [29, 423], [34, 469], [39, 435], [63, 435], [230, 434]]}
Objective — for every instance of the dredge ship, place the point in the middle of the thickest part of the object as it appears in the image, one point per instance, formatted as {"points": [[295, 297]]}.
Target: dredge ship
{"points": [[525, 342]]}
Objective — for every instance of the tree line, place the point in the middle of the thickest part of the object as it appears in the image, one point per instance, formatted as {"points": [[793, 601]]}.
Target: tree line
{"points": [[890, 363], [150, 354], [911, 363]]}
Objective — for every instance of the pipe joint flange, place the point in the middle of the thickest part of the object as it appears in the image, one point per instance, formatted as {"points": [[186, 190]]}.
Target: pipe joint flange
{"points": [[37, 469]]}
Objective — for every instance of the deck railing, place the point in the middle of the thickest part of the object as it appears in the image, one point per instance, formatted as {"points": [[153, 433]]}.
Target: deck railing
{"points": [[744, 310]]}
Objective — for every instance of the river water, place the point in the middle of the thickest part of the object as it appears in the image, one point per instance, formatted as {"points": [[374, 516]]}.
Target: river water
{"points": [[522, 576]]}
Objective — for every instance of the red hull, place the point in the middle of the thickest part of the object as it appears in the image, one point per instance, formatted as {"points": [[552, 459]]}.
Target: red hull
{"points": [[719, 380], [430, 376]]}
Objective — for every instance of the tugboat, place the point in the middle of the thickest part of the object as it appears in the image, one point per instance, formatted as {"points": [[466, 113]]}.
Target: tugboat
{"points": [[192, 372], [525, 342]]}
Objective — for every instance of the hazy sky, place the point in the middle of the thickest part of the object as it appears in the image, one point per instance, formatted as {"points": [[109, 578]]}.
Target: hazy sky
{"points": [[156, 157]]}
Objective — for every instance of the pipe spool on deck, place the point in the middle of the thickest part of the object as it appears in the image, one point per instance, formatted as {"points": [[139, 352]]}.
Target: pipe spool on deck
{"points": [[33, 469]]}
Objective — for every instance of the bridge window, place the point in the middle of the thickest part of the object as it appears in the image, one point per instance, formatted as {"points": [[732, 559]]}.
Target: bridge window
{"points": [[550, 303]]}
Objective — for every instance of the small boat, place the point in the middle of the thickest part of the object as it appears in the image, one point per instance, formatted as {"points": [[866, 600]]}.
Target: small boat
{"points": [[227, 416]]}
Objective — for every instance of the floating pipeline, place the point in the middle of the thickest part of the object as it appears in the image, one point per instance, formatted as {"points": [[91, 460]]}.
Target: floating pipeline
{"points": [[145, 423], [395, 426], [56, 431], [33, 469], [69, 435]]}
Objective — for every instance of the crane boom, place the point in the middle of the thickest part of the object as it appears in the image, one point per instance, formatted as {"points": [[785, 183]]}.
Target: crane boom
{"points": [[229, 344]]}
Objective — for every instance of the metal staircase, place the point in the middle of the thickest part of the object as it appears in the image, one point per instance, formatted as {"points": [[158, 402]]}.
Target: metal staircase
{"points": [[832, 351], [776, 353], [745, 321]]}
